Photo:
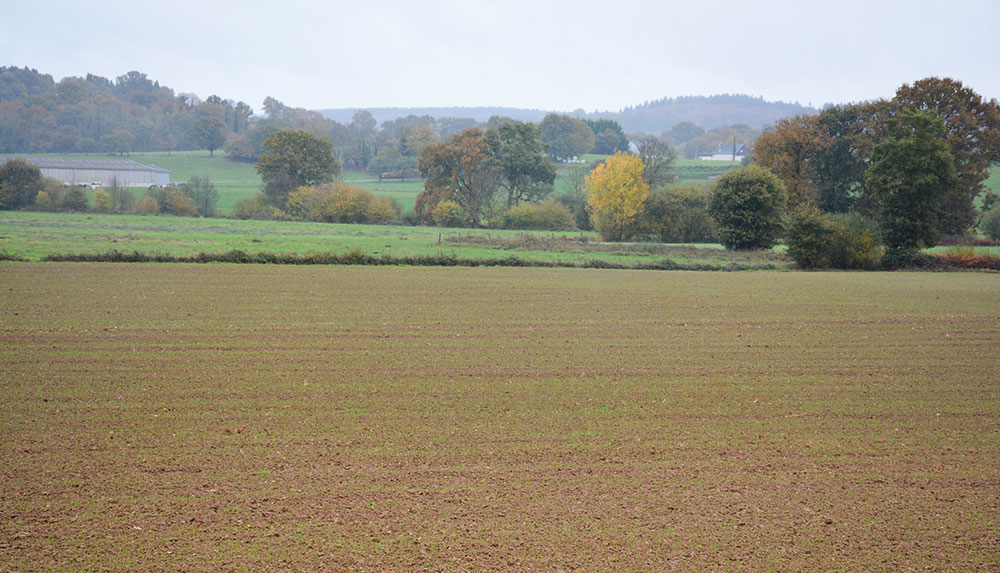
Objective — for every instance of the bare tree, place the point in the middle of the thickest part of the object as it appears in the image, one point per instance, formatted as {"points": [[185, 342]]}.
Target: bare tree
{"points": [[657, 158]]}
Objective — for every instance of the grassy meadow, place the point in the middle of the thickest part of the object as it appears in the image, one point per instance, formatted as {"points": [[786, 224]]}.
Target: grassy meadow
{"points": [[33, 235], [224, 417]]}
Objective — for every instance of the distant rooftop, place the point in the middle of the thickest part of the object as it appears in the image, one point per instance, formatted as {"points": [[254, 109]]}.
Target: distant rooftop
{"points": [[87, 163], [741, 149]]}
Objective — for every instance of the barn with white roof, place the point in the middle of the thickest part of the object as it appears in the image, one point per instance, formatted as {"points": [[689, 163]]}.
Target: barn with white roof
{"points": [[106, 172]]}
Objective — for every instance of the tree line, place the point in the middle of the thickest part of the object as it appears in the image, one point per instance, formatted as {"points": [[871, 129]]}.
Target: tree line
{"points": [[824, 160], [133, 113], [95, 114]]}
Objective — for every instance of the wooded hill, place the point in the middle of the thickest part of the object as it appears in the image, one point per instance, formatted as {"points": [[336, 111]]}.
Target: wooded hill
{"points": [[708, 112], [479, 114]]}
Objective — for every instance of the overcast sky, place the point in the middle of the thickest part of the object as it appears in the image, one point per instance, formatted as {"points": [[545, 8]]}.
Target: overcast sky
{"points": [[552, 55]]}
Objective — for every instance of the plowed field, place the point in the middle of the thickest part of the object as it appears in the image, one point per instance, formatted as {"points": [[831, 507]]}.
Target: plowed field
{"points": [[216, 417]]}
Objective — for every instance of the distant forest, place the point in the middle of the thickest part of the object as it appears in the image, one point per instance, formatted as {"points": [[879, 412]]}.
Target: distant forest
{"points": [[707, 112], [96, 114], [479, 114], [132, 112]]}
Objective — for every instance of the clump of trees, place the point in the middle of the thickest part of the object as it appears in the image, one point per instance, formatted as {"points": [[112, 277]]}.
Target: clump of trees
{"points": [[95, 114], [914, 165], [198, 196], [633, 196], [566, 137], [298, 169], [486, 173], [293, 159], [823, 160], [678, 213]]}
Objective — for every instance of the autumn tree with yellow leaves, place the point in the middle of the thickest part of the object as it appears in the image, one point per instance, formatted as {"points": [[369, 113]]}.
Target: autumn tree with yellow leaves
{"points": [[617, 193]]}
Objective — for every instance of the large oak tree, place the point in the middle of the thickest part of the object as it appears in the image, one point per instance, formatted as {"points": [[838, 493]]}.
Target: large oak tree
{"points": [[972, 132], [748, 206], [292, 159], [517, 153], [566, 136], [910, 173], [458, 170], [788, 151]]}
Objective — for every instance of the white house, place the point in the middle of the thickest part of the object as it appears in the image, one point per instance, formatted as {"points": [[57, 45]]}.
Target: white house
{"points": [[724, 152]]}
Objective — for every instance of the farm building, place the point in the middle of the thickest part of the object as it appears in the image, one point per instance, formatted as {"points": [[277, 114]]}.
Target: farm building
{"points": [[724, 152], [84, 171]]}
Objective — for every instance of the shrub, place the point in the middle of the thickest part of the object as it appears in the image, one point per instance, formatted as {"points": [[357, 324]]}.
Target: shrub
{"points": [[448, 214], [808, 239], [102, 201], [549, 216], [202, 195], [271, 213], [857, 243], [340, 203], [844, 241], [409, 218], [55, 190], [678, 214], [74, 199], [347, 204], [178, 204], [302, 202], [42, 200], [989, 225], [248, 207], [147, 206], [966, 257], [122, 199], [576, 202]]}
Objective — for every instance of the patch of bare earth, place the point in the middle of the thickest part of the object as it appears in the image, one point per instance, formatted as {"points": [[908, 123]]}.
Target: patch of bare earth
{"points": [[179, 417]]}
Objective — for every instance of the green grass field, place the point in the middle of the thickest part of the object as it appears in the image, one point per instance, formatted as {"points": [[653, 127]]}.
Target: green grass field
{"points": [[232, 179], [232, 417], [701, 172], [33, 235]]}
